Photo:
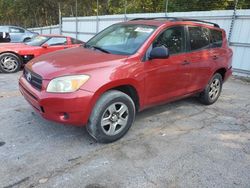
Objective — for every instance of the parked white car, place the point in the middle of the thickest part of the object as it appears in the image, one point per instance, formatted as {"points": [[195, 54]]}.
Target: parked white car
{"points": [[18, 34]]}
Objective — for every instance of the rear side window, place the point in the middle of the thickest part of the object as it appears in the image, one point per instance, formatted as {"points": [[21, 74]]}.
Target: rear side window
{"points": [[199, 38], [216, 38], [16, 30]]}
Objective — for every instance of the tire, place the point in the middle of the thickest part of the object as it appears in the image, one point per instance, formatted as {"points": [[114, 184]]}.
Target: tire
{"points": [[212, 91], [107, 124], [10, 63]]}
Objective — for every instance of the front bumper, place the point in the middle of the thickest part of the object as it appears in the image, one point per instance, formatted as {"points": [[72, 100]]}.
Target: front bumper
{"points": [[69, 108]]}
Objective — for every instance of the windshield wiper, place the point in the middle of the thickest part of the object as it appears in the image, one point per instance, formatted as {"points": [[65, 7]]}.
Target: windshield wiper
{"points": [[97, 48]]}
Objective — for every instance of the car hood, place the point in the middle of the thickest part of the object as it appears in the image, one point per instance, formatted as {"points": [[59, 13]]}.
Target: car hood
{"points": [[15, 47], [72, 61]]}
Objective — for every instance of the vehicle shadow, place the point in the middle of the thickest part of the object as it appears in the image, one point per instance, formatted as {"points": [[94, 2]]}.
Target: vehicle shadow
{"points": [[67, 133], [191, 101]]}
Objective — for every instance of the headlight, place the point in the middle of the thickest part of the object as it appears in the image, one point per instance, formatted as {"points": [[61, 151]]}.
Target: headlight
{"points": [[67, 84]]}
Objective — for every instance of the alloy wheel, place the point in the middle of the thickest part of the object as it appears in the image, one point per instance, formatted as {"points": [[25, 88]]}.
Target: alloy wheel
{"points": [[214, 89], [114, 118], [9, 64]]}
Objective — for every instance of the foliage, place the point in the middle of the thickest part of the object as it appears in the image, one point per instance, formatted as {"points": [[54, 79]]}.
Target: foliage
{"points": [[34, 13]]}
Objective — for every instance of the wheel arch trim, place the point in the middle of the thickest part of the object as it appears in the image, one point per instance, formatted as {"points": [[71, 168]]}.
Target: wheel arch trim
{"points": [[110, 86]]}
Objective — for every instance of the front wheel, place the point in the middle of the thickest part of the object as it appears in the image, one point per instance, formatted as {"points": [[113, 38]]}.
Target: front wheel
{"points": [[111, 117], [9, 63], [212, 91]]}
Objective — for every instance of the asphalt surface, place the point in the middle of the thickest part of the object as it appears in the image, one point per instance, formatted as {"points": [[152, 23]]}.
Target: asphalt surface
{"points": [[181, 144]]}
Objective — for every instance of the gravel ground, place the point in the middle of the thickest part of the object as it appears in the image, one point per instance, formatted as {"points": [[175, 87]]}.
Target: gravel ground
{"points": [[181, 144]]}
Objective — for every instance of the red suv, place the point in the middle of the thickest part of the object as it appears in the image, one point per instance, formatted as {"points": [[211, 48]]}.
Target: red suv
{"points": [[126, 68]]}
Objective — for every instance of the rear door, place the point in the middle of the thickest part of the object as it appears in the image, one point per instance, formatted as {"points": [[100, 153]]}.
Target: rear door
{"points": [[218, 52], [168, 78], [16, 34], [200, 57]]}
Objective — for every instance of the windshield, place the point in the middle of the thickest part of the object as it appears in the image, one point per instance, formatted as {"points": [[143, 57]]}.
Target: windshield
{"points": [[121, 39], [37, 41]]}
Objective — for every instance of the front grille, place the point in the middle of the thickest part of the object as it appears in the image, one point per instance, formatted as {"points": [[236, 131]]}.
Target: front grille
{"points": [[34, 79]]}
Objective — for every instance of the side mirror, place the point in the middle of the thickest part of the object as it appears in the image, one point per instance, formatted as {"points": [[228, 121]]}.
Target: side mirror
{"points": [[159, 53], [45, 45]]}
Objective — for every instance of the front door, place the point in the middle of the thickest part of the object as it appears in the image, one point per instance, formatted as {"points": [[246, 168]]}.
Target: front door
{"points": [[166, 79]]}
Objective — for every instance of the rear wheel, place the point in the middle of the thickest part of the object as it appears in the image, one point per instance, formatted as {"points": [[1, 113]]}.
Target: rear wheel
{"points": [[111, 117], [26, 39], [212, 91], [9, 63]]}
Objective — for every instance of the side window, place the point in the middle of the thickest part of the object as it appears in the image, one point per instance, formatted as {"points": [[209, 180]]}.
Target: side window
{"points": [[4, 29], [16, 30], [199, 38], [56, 41], [173, 39], [75, 41], [216, 38]]}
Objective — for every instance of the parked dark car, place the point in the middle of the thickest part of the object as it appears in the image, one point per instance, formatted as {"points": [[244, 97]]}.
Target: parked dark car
{"points": [[18, 34], [4, 37], [126, 68]]}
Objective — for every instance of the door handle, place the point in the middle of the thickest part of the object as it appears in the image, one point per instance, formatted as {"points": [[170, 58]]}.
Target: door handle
{"points": [[185, 63], [215, 57]]}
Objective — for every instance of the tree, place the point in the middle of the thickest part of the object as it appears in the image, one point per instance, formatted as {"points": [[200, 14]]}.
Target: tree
{"points": [[35, 13]]}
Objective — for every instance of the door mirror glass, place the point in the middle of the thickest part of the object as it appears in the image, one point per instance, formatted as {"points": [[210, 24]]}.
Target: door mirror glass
{"points": [[159, 53]]}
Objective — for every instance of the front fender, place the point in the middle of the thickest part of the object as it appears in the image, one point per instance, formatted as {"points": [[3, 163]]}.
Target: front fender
{"points": [[112, 85]]}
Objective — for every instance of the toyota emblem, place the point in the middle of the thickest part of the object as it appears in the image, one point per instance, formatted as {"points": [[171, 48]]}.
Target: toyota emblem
{"points": [[28, 76]]}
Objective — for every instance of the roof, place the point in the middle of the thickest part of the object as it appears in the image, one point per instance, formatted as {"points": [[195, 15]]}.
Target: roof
{"points": [[52, 35], [158, 21], [146, 22]]}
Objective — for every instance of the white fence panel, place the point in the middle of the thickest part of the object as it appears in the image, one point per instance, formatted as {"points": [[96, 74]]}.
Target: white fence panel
{"points": [[54, 29], [91, 25], [241, 30], [241, 58], [69, 25]]}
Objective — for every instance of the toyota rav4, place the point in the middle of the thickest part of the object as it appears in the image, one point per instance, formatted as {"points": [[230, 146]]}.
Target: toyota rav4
{"points": [[126, 68]]}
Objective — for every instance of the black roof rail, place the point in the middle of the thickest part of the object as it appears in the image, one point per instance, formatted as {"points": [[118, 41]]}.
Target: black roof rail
{"points": [[157, 18], [177, 19], [201, 21]]}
